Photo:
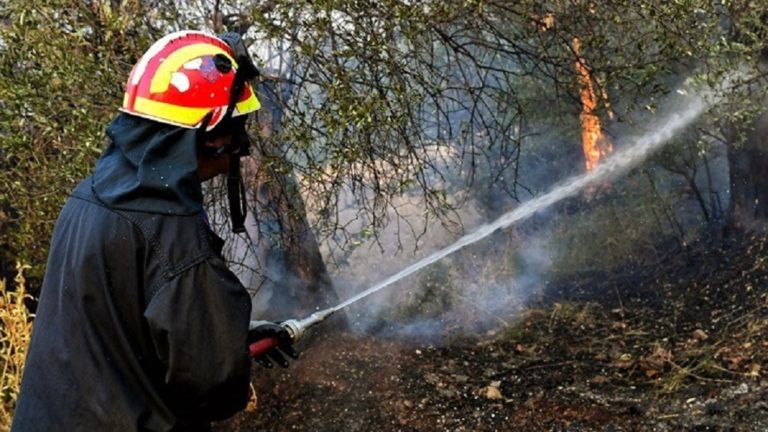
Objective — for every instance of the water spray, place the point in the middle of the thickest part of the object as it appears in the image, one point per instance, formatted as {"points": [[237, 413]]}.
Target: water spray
{"points": [[617, 163]]}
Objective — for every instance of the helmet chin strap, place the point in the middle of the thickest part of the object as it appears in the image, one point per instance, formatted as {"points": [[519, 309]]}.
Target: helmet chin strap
{"points": [[238, 206], [246, 71]]}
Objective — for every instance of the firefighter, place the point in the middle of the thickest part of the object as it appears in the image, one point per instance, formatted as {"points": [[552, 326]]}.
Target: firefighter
{"points": [[140, 325]]}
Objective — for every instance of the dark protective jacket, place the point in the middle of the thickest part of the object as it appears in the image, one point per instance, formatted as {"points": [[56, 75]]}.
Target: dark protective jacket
{"points": [[140, 325]]}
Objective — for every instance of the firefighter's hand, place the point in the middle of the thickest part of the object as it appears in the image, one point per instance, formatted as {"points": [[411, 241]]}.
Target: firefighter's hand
{"points": [[260, 330]]}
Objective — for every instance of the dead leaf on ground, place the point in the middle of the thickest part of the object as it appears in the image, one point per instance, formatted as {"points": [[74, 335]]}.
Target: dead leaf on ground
{"points": [[619, 326], [700, 335], [655, 362], [734, 362], [754, 370], [624, 361], [732, 358], [492, 393]]}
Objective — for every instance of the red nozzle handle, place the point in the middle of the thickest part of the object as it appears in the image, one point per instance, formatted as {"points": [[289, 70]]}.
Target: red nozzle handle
{"points": [[260, 347]]}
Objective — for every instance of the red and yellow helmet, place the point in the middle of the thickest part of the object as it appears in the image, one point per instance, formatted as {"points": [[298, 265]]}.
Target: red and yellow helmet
{"points": [[180, 80]]}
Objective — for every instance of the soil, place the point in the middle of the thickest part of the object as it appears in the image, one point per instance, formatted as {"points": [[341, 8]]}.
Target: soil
{"points": [[677, 345]]}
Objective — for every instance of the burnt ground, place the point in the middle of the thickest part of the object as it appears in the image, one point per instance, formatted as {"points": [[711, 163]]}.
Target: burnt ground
{"points": [[677, 345]]}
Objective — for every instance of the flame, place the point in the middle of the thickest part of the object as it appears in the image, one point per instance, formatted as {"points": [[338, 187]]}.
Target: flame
{"points": [[596, 145]]}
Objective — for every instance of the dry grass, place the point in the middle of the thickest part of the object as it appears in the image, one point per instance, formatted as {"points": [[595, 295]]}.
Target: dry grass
{"points": [[15, 330]]}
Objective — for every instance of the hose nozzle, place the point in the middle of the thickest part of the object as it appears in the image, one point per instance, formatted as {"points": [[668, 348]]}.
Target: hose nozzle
{"points": [[296, 329]]}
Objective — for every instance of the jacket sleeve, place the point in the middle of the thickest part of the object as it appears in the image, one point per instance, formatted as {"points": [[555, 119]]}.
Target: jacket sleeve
{"points": [[199, 327]]}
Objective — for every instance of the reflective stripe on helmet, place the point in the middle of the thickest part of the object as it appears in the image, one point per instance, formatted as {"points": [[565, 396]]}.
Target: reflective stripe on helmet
{"points": [[188, 117], [248, 105]]}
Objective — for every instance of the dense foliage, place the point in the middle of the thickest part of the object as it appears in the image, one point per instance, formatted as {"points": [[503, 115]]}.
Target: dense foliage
{"points": [[62, 68]]}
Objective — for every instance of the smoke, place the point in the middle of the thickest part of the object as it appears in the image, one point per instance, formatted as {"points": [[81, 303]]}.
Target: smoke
{"points": [[473, 290], [457, 284]]}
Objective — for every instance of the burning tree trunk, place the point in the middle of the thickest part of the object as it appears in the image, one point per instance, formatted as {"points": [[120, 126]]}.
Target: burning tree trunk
{"points": [[595, 144]]}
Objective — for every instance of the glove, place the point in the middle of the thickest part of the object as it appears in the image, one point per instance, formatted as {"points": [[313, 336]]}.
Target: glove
{"points": [[259, 330]]}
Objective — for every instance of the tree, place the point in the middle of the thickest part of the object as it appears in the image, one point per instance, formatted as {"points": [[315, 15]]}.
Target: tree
{"points": [[741, 122], [749, 186]]}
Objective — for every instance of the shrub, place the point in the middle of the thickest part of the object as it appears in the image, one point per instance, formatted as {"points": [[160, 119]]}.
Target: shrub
{"points": [[15, 331]]}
